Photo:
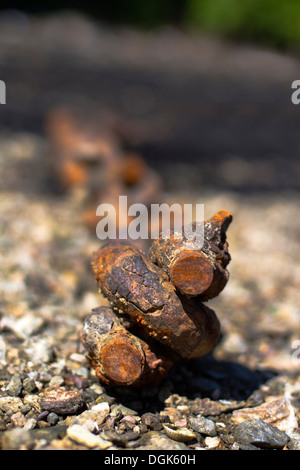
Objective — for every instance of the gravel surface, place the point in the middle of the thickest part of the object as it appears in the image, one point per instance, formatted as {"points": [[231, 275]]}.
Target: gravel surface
{"points": [[49, 395], [246, 394]]}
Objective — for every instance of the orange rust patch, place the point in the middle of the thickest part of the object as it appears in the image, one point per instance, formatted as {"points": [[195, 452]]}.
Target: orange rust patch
{"points": [[221, 215], [122, 361], [73, 173], [192, 273]]}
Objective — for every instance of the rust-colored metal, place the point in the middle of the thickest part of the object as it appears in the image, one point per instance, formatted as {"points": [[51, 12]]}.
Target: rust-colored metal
{"points": [[140, 290], [88, 154], [193, 271], [81, 154], [157, 314], [133, 168], [118, 356]]}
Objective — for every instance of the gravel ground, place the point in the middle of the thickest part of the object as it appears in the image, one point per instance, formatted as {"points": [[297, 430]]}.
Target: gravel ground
{"points": [[245, 395], [49, 395]]}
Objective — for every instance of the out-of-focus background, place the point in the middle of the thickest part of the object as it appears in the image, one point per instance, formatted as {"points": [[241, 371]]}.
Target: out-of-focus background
{"points": [[199, 83], [182, 101]]}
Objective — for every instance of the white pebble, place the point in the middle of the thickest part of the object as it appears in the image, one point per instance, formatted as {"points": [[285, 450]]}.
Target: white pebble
{"points": [[83, 436], [212, 442]]}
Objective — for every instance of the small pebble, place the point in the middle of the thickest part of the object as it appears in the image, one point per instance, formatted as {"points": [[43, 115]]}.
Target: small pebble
{"points": [[30, 424], [143, 428], [29, 385], [52, 418], [212, 442], [83, 436], [80, 358], [33, 400], [25, 408], [121, 410], [62, 402], [129, 421], [172, 414], [56, 380], [27, 325], [44, 377], [18, 420], [203, 425], [276, 411], [122, 439], [260, 434], [109, 424], [14, 387], [246, 446], [97, 389], [294, 443], [91, 426], [152, 421], [39, 350], [181, 423], [154, 440], [98, 413], [10, 404]]}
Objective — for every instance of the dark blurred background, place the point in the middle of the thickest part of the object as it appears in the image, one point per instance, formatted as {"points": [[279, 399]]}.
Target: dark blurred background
{"points": [[265, 22], [203, 87]]}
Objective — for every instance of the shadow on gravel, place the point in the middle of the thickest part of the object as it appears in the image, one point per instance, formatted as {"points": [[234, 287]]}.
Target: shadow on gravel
{"points": [[202, 378], [220, 379]]}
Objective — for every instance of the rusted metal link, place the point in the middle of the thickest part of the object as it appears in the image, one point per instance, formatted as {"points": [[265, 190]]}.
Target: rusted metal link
{"points": [[157, 314], [196, 272], [118, 356], [87, 154], [139, 289]]}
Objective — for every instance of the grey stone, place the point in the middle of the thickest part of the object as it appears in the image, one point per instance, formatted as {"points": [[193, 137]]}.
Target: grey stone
{"points": [[27, 325], [122, 439], [294, 443], [260, 434], [154, 440], [29, 385], [14, 387], [248, 447], [52, 418], [39, 349], [203, 425]]}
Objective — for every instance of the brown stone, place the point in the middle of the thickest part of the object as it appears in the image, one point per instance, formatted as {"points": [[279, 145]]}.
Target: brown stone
{"points": [[61, 401]]}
